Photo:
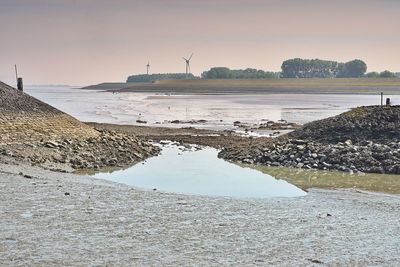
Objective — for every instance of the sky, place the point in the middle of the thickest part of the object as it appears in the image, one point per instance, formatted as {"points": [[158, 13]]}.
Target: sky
{"points": [[81, 42]]}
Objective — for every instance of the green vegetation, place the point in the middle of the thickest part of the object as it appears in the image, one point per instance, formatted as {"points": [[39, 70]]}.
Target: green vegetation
{"points": [[316, 68], [387, 74], [309, 68], [291, 68], [261, 86], [383, 74], [226, 73], [352, 69], [157, 77], [283, 82], [372, 74]]}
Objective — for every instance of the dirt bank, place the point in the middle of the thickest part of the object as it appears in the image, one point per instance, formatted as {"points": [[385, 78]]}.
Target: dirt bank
{"points": [[52, 219]]}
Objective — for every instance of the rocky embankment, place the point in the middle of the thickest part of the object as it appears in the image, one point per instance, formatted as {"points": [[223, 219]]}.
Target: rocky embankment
{"points": [[108, 149], [365, 139], [24, 118], [37, 133]]}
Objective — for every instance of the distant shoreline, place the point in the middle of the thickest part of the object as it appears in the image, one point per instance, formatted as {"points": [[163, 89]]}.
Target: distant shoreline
{"points": [[367, 86]]}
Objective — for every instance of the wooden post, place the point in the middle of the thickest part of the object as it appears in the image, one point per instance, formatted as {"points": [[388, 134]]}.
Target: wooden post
{"points": [[16, 73], [381, 99], [20, 84]]}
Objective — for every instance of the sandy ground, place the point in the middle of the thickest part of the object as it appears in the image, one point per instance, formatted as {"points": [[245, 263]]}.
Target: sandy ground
{"points": [[54, 219]]}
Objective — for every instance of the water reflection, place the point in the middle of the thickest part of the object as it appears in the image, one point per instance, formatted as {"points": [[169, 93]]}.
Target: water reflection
{"points": [[328, 179], [200, 172]]}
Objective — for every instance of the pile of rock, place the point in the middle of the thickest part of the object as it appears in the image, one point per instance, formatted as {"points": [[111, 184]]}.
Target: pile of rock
{"points": [[371, 157], [107, 149], [372, 123], [365, 139]]}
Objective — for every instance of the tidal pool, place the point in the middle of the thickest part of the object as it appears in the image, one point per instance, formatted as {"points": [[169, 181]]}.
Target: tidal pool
{"points": [[200, 172]]}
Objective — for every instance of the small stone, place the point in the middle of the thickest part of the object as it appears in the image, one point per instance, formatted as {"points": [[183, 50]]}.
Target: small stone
{"points": [[348, 142], [300, 165]]}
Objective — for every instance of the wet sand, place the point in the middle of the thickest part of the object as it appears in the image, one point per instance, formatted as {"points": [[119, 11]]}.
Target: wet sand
{"points": [[52, 219]]}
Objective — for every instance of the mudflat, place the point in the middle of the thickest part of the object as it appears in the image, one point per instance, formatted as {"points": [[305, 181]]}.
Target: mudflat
{"points": [[51, 218]]}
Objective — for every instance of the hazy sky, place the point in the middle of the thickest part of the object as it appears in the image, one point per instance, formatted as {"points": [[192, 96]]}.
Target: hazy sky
{"points": [[88, 41]]}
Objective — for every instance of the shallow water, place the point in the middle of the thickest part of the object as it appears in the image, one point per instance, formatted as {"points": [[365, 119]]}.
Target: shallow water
{"points": [[305, 179], [201, 172], [220, 111]]}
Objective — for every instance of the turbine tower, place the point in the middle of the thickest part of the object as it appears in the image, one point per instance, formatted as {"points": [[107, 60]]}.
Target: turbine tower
{"points": [[148, 67], [187, 65]]}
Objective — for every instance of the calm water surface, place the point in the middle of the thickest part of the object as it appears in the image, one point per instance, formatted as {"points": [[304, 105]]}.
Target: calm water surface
{"points": [[201, 172], [220, 111]]}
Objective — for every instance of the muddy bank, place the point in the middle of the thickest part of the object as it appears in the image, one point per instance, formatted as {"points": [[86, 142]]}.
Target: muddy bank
{"points": [[95, 222], [188, 135]]}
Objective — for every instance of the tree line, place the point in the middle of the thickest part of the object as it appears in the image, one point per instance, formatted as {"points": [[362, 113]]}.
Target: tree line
{"points": [[159, 76], [383, 74], [226, 73], [291, 68], [317, 68]]}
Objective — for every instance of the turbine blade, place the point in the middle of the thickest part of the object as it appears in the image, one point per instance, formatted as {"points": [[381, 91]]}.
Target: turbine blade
{"points": [[191, 56]]}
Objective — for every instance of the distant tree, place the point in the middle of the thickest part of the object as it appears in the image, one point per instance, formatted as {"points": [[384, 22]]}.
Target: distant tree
{"points": [[353, 69], [387, 74], [309, 68], [372, 74], [226, 73], [218, 73], [159, 76]]}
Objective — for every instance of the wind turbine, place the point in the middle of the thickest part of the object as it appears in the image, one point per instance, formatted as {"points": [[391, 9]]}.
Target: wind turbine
{"points": [[148, 67], [187, 65]]}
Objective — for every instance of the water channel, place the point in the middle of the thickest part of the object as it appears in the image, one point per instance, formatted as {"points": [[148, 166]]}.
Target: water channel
{"points": [[199, 171]]}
